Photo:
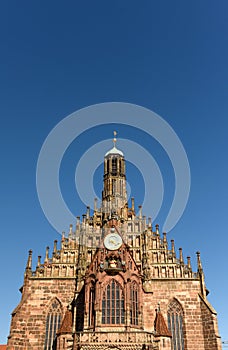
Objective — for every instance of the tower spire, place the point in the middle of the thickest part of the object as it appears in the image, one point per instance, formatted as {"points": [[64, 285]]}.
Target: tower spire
{"points": [[114, 194]]}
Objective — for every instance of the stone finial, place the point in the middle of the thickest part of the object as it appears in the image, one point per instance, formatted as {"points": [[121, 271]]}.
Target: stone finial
{"points": [[157, 229], [200, 269], [201, 276], [88, 213], [149, 222], [172, 246], [181, 256], [189, 262], [140, 211], [164, 238], [46, 255], [55, 246], [39, 261], [28, 269], [77, 223], [70, 234], [29, 261]]}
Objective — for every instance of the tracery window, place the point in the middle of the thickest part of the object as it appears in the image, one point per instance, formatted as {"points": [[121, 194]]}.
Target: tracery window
{"points": [[113, 304], [91, 307], [134, 312], [175, 325], [53, 320]]}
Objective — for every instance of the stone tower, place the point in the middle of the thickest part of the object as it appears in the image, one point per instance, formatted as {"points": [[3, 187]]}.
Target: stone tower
{"points": [[114, 194], [113, 282]]}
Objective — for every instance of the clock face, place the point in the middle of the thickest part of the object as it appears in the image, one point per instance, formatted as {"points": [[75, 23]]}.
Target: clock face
{"points": [[113, 241]]}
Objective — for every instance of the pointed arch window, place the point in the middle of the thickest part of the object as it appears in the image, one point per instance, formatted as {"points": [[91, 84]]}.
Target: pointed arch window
{"points": [[53, 320], [113, 311], [91, 307], [134, 312], [175, 325]]}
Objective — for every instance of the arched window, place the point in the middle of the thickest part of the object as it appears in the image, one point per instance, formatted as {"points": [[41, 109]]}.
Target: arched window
{"points": [[134, 312], [120, 166], [114, 166], [113, 304], [53, 320], [91, 307], [175, 325]]}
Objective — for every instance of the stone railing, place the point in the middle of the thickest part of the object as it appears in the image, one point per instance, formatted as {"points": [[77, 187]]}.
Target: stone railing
{"points": [[116, 338]]}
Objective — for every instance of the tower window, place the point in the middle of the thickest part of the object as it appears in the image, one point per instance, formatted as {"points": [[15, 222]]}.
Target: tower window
{"points": [[134, 305], [53, 320], [113, 304], [175, 325], [114, 166]]}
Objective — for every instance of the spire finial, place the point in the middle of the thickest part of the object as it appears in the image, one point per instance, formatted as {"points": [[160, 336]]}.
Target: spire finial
{"points": [[200, 269], [29, 262], [114, 139]]}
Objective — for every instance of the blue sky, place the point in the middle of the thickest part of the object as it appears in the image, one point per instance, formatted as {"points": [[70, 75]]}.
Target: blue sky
{"points": [[168, 56]]}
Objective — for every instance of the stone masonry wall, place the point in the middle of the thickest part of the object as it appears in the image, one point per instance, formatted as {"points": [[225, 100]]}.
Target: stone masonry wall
{"points": [[186, 292], [210, 328], [27, 330]]}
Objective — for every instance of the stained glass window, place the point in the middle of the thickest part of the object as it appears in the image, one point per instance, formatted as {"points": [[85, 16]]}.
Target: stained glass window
{"points": [[113, 304], [175, 325], [53, 320]]}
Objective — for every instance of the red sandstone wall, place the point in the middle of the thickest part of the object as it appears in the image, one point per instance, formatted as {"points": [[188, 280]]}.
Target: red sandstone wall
{"points": [[210, 329], [27, 330], [200, 324], [187, 293]]}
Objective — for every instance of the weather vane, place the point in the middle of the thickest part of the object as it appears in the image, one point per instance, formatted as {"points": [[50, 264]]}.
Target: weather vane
{"points": [[114, 139]]}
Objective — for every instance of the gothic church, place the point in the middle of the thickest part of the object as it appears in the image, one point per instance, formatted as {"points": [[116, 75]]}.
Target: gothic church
{"points": [[114, 283]]}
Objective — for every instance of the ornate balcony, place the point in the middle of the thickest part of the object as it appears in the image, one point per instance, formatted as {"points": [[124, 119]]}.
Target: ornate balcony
{"points": [[136, 340]]}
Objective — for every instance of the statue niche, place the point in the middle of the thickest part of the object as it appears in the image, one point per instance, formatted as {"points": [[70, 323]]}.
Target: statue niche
{"points": [[113, 264]]}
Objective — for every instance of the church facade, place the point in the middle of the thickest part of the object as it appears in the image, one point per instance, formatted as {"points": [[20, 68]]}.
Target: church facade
{"points": [[114, 282]]}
